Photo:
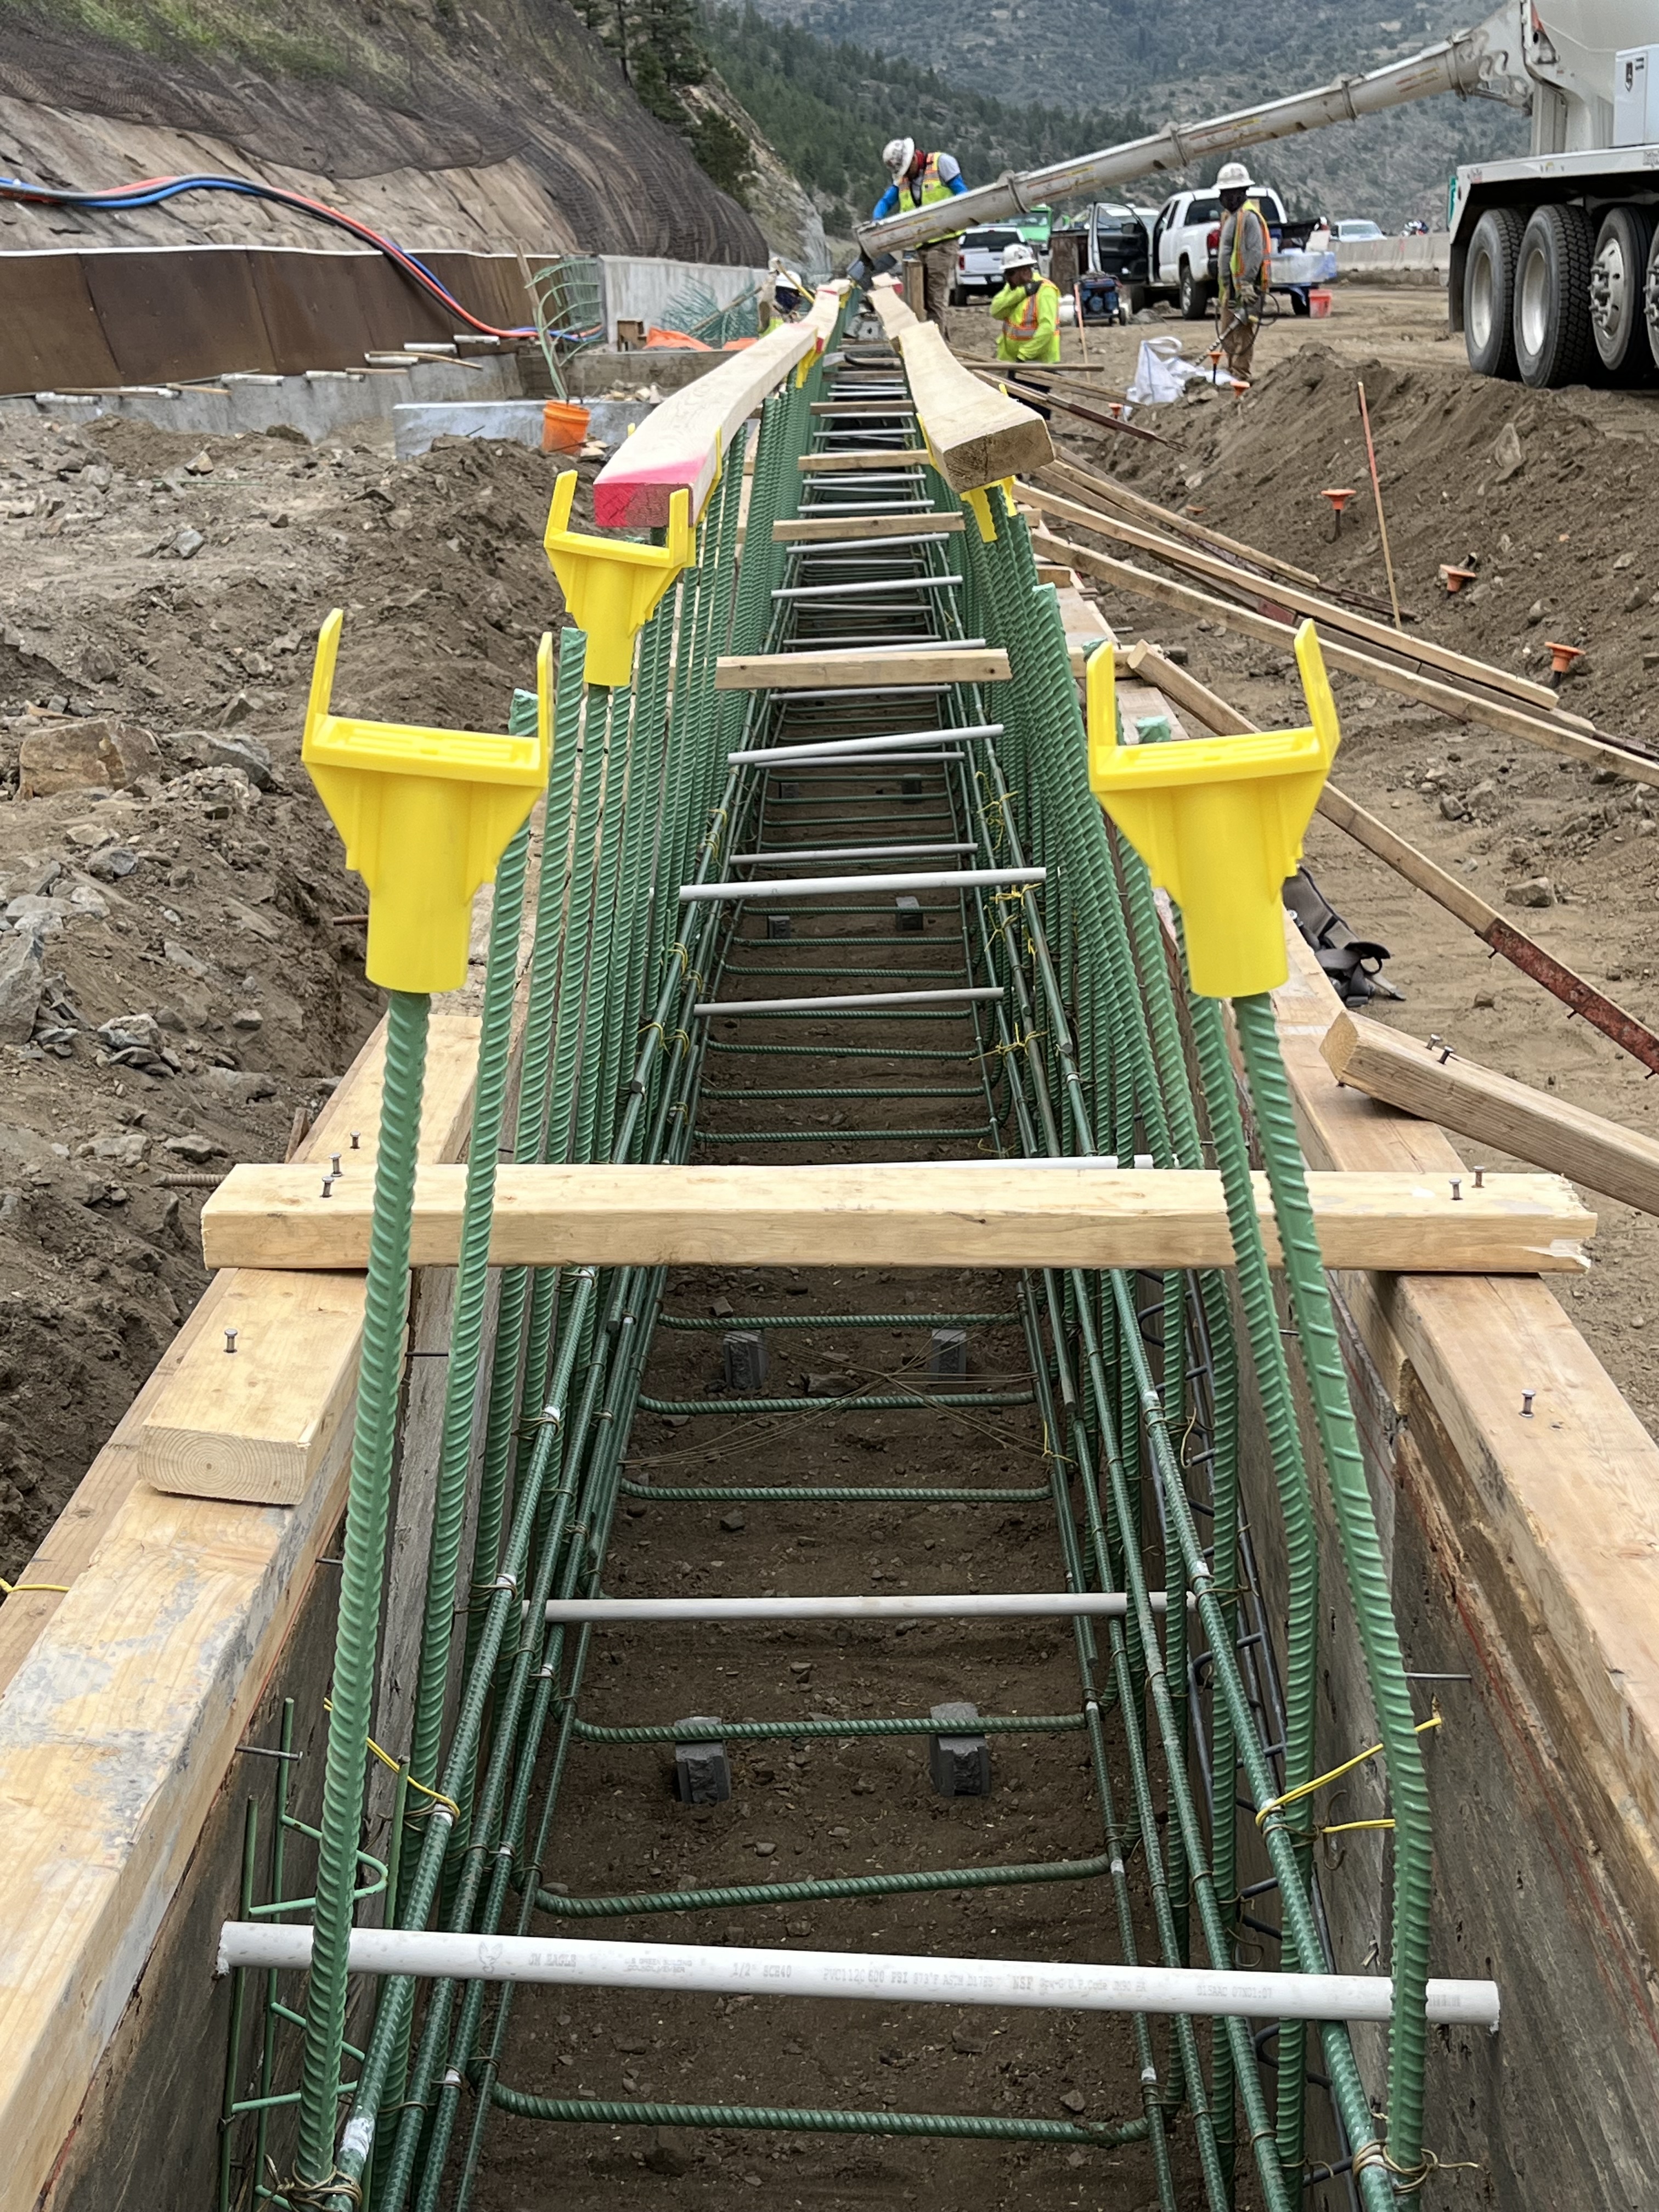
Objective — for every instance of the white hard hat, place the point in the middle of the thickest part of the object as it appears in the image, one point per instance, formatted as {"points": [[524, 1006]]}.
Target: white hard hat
{"points": [[1234, 177], [898, 156], [1019, 255]]}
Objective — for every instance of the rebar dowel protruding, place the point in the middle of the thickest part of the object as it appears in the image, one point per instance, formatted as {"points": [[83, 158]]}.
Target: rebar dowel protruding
{"points": [[362, 1577]]}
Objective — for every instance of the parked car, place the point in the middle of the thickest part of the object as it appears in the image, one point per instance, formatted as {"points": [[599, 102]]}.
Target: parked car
{"points": [[1355, 234], [979, 263]]}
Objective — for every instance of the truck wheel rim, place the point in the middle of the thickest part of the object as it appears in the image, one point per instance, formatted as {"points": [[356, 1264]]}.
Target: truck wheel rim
{"points": [[1610, 291], [1534, 302], [1480, 310]]}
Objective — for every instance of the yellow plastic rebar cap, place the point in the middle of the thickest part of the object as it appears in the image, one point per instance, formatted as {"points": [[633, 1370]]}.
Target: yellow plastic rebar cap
{"points": [[1219, 822], [611, 584], [426, 816]]}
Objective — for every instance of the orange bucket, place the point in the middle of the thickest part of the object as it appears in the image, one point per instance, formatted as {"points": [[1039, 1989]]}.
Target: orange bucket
{"points": [[1319, 305], [564, 427]]}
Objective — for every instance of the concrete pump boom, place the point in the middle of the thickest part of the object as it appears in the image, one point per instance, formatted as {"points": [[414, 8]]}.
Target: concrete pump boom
{"points": [[1487, 60]]}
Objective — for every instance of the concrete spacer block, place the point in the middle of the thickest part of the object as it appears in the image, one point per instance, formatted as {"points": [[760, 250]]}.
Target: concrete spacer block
{"points": [[958, 1765], [703, 1772]]}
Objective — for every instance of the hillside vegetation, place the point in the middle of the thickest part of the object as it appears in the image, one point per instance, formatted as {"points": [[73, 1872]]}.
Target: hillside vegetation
{"points": [[1145, 59]]}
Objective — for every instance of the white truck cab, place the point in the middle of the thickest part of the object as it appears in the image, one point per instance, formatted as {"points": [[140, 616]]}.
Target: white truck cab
{"points": [[1184, 242]]}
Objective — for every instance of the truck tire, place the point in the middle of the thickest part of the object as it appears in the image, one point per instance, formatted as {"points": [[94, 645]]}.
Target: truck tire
{"points": [[1618, 277], [1489, 293], [1194, 295], [1554, 344], [1650, 299]]}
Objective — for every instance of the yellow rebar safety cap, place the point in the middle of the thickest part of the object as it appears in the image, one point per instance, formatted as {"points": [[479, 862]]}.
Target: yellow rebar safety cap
{"points": [[1219, 822], [426, 816], [611, 584]]}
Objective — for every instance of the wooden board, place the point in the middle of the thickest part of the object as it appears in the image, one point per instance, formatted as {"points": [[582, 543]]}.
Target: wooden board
{"points": [[873, 457], [911, 1215], [1495, 1109], [258, 1423], [120, 1719], [976, 436], [680, 444], [1448, 699], [1326, 612], [860, 668], [815, 529], [1567, 1501]]}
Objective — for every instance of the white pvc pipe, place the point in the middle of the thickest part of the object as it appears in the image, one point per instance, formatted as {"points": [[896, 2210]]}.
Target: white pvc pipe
{"points": [[868, 587], [830, 754], [579, 1962], [853, 1003], [842, 746], [965, 880], [902, 1606], [843, 853]]}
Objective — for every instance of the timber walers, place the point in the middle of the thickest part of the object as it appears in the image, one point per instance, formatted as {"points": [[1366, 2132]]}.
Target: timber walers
{"points": [[1089, 1041]]}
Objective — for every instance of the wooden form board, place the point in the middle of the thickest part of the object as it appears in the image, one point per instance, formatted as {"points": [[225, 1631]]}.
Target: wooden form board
{"points": [[1049, 494], [1554, 735], [976, 436], [1440, 1086], [1567, 1500], [681, 443], [907, 1215], [816, 529], [861, 668], [118, 1722]]}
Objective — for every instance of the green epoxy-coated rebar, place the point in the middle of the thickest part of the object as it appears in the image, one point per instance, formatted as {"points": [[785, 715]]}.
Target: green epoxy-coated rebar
{"points": [[1362, 1555], [362, 1577], [1101, 2135], [742, 1731], [822, 1890]]}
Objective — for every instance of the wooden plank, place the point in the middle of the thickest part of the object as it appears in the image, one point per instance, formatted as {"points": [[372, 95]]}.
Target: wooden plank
{"points": [[976, 436], [680, 444], [1441, 1087], [1329, 616], [258, 1423], [120, 1720], [1567, 1500], [860, 668], [861, 457], [909, 1214], [813, 529], [73, 1537], [1448, 699]]}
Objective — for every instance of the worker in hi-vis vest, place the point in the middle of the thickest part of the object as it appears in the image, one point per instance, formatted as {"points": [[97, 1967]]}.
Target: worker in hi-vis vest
{"points": [[1027, 308], [918, 179], [1242, 254]]}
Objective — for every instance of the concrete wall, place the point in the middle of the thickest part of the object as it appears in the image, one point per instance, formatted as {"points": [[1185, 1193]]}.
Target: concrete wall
{"points": [[1396, 260], [326, 404], [634, 289]]}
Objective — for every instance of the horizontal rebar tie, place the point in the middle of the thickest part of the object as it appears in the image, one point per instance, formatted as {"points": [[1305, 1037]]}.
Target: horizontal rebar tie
{"points": [[610, 2112], [1026, 1984], [965, 879], [967, 994], [843, 853]]}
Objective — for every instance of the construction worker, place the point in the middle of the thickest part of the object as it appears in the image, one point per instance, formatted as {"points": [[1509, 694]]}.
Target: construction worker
{"points": [[782, 295], [1243, 252], [919, 179], [1027, 308]]}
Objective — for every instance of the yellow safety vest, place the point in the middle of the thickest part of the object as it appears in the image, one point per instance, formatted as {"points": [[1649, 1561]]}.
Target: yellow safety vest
{"points": [[1025, 325], [1235, 267], [928, 187]]}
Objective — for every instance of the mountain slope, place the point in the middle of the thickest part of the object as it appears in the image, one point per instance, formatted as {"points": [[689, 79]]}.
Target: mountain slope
{"points": [[504, 122], [1178, 63]]}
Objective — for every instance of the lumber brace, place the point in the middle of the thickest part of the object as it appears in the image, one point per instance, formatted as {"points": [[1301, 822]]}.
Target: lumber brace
{"points": [[907, 1215]]}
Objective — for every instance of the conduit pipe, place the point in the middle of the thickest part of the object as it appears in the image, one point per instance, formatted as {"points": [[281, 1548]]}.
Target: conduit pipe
{"points": [[852, 1003], [845, 748], [947, 879], [1030, 1983], [903, 1605]]}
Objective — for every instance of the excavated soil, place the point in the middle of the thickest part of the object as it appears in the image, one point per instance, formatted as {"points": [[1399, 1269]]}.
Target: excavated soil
{"points": [[1553, 497], [229, 938]]}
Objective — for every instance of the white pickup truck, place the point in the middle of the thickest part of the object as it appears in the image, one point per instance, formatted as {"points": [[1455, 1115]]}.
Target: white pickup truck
{"points": [[1185, 234]]}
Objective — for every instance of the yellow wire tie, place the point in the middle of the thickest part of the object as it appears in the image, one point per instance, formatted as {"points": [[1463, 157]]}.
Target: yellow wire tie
{"points": [[1307, 1789], [1342, 1827], [397, 1766], [302, 2193], [33, 1589]]}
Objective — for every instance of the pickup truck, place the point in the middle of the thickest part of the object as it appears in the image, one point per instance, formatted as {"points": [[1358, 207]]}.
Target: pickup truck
{"points": [[1187, 231], [979, 263]]}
